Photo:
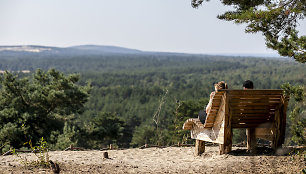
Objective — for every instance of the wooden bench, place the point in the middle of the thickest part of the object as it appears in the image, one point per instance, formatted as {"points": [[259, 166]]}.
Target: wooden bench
{"points": [[261, 112]]}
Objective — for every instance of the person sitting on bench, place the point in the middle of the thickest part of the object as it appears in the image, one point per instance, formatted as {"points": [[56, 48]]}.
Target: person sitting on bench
{"points": [[202, 114], [248, 84]]}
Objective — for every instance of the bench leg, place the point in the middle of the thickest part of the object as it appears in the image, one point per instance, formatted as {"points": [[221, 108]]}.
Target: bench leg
{"points": [[251, 140], [223, 149], [277, 129], [227, 146], [199, 147]]}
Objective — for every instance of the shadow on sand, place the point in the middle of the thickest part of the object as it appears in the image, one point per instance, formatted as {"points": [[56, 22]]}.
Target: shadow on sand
{"points": [[268, 151]]}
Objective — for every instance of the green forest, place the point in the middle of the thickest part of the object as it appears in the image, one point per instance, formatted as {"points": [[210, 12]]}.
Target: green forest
{"points": [[127, 100]]}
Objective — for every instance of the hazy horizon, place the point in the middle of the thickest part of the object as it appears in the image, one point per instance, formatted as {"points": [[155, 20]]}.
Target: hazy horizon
{"points": [[225, 54]]}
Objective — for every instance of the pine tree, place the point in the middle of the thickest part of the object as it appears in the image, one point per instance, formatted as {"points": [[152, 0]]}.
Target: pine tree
{"points": [[107, 128], [277, 20], [31, 108]]}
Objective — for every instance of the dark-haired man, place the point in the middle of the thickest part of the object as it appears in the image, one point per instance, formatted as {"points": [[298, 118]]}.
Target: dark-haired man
{"points": [[250, 132], [248, 84]]}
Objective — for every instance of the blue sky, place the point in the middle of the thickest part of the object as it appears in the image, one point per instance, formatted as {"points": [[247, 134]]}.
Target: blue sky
{"points": [[149, 25]]}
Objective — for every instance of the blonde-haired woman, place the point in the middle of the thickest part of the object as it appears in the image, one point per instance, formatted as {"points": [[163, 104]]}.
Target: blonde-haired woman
{"points": [[218, 86]]}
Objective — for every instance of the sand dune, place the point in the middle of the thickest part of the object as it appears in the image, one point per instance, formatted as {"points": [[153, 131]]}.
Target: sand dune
{"points": [[160, 160]]}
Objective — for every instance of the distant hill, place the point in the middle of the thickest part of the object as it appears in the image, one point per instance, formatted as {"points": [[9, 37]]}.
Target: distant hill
{"points": [[104, 49], [72, 51], [42, 51]]}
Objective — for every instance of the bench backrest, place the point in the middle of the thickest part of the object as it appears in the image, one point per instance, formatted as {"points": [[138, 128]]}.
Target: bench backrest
{"points": [[216, 106], [247, 108]]}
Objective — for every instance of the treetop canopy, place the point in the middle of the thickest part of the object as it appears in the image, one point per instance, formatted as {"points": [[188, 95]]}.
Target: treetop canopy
{"points": [[277, 20]]}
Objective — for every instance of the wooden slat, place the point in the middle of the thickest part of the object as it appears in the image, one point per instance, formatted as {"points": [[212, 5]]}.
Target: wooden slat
{"points": [[251, 111], [254, 92], [220, 92], [236, 121], [215, 105], [212, 114], [209, 123], [213, 111], [232, 102], [254, 100], [217, 96], [214, 100], [210, 120], [250, 126], [262, 112], [263, 97], [251, 115], [272, 104], [248, 120], [252, 106], [253, 118], [256, 107], [258, 114]]}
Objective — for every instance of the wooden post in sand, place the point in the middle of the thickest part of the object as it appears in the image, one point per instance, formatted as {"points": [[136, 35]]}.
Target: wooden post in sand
{"points": [[54, 167], [251, 140], [105, 155], [199, 147]]}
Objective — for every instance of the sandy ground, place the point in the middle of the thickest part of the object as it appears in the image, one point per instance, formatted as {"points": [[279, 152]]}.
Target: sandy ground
{"points": [[162, 160]]}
